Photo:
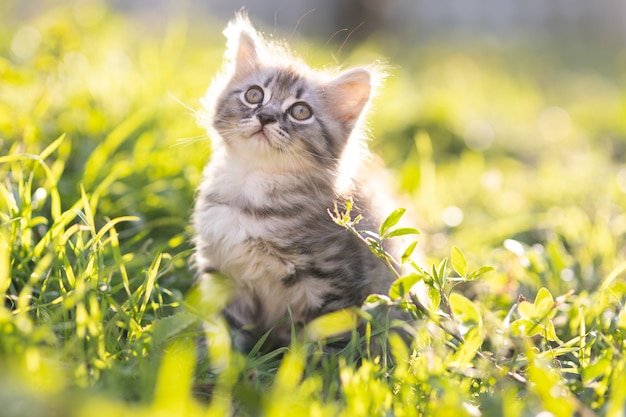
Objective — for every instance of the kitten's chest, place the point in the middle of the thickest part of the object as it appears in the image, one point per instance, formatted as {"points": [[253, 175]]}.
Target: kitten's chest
{"points": [[230, 205], [237, 206], [240, 219]]}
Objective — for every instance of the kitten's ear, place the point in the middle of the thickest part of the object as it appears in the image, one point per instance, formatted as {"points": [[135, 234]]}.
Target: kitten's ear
{"points": [[247, 59], [349, 93], [242, 47]]}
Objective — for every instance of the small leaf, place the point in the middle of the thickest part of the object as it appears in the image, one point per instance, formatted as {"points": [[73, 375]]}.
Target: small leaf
{"points": [[597, 369], [408, 252], [468, 349], [168, 327], [459, 263], [402, 231], [403, 285], [331, 324], [435, 297], [536, 329], [544, 304], [526, 310], [478, 272], [391, 220], [213, 292], [526, 327], [519, 327], [440, 274], [550, 332], [377, 299], [465, 310], [548, 384]]}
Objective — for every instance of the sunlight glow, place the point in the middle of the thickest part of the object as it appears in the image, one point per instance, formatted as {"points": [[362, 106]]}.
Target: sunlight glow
{"points": [[452, 216]]}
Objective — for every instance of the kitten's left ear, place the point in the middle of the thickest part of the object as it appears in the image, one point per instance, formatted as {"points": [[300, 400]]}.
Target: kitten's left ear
{"points": [[242, 46], [246, 59], [349, 93]]}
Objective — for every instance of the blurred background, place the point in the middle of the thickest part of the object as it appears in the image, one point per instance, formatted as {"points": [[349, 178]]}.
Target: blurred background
{"points": [[413, 20], [502, 122]]}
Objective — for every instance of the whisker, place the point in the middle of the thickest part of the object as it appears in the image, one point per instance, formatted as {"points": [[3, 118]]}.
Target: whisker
{"points": [[189, 140], [335, 34], [348, 37], [302, 148], [225, 121], [203, 155], [300, 21], [230, 130], [276, 21], [179, 101]]}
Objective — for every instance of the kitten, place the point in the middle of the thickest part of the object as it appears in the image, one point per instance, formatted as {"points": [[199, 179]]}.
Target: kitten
{"points": [[288, 144]]}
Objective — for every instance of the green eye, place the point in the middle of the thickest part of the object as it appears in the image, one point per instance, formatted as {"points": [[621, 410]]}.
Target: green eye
{"points": [[300, 111], [254, 95]]}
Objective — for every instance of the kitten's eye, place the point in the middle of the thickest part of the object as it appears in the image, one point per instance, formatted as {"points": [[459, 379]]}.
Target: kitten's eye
{"points": [[300, 111], [254, 95]]}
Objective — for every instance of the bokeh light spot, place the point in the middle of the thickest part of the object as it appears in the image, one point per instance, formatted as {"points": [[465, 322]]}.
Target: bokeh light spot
{"points": [[452, 216], [554, 123], [25, 42], [492, 180]]}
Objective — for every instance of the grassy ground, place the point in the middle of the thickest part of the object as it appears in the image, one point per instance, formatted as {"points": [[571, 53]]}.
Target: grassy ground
{"points": [[510, 156]]}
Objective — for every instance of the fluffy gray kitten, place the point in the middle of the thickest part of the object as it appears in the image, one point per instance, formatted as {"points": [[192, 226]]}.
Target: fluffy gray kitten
{"points": [[288, 144]]}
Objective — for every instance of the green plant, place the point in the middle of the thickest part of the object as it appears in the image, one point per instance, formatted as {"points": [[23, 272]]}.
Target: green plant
{"points": [[98, 166]]}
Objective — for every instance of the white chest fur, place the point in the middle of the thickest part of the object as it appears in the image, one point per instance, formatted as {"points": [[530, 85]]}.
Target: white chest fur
{"points": [[233, 240], [228, 230]]}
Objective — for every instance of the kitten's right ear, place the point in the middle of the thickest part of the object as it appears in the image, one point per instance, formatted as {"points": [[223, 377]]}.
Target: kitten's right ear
{"points": [[349, 93], [242, 47]]}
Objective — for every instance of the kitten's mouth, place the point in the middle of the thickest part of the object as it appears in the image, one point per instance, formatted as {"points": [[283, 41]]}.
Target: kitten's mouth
{"points": [[260, 135]]}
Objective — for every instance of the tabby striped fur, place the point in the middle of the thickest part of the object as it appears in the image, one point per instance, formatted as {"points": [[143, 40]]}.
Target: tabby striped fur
{"points": [[261, 212]]}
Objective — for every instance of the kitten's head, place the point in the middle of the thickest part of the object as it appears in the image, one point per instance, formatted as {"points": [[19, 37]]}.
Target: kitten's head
{"points": [[271, 109]]}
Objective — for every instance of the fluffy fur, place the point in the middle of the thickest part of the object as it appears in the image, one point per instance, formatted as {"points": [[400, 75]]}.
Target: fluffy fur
{"points": [[288, 144]]}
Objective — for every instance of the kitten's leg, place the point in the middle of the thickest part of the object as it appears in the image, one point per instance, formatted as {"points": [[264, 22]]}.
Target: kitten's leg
{"points": [[243, 334]]}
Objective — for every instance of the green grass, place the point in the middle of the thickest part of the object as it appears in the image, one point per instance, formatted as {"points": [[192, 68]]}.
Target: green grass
{"points": [[98, 165]]}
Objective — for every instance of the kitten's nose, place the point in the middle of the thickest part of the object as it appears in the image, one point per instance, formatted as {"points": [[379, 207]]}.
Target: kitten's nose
{"points": [[265, 119]]}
